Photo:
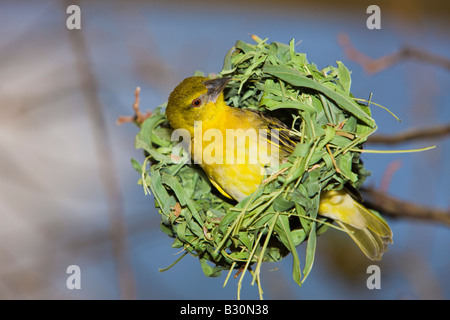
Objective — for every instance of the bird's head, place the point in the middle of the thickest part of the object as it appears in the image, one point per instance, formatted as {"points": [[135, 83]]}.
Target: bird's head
{"points": [[195, 99]]}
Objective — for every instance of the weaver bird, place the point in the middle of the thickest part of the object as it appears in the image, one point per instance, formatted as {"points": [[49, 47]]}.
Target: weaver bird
{"points": [[197, 105]]}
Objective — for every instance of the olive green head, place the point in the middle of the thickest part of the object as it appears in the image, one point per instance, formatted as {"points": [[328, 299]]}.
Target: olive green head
{"points": [[194, 99]]}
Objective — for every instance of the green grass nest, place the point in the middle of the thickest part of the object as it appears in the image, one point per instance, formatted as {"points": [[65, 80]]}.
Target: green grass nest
{"points": [[331, 124]]}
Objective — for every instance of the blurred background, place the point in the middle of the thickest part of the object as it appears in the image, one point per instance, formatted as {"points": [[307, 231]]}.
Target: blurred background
{"points": [[68, 193]]}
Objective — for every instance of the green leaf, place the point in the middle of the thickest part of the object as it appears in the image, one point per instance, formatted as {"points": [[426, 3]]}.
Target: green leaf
{"points": [[173, 183], [298, 236], [345, 164], [298, 79], [281, 204], [145, 138], [344, 77], [137, 166], [227, 64], [208, 270], [160, 193], [310, 251], [291, 105], [284, 233]]}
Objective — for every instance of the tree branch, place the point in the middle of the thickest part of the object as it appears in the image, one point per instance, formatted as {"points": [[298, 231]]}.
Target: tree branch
{"points": [[437, 131], [105, 158], [397, 208], [405, 53]]}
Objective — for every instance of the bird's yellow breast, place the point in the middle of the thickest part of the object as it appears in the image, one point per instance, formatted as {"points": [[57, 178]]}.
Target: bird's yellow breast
{"points": [[232, 150]]}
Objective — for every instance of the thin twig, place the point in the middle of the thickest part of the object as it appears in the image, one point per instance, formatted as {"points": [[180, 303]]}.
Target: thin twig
{"points": [[138, 116], [332, 159]]}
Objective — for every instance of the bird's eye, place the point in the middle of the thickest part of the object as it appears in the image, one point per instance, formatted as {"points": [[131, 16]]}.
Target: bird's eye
{"points": [[196, 102]]}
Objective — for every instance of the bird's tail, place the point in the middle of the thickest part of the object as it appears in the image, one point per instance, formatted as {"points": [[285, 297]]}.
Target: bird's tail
{"points": [[370, 232]]}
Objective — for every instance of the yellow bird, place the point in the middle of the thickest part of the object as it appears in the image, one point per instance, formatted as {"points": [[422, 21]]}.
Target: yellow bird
{"points": [[197, 106]]}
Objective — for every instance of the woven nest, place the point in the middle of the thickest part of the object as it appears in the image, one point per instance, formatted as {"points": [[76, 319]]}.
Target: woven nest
{"points": [[331, 126]]}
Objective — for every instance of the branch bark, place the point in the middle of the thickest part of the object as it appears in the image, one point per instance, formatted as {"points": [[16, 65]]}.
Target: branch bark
{"points": [[393, 207], [438, 131]]}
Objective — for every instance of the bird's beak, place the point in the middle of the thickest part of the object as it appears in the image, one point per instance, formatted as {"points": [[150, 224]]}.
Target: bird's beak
{"points": [[215, 87]]}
